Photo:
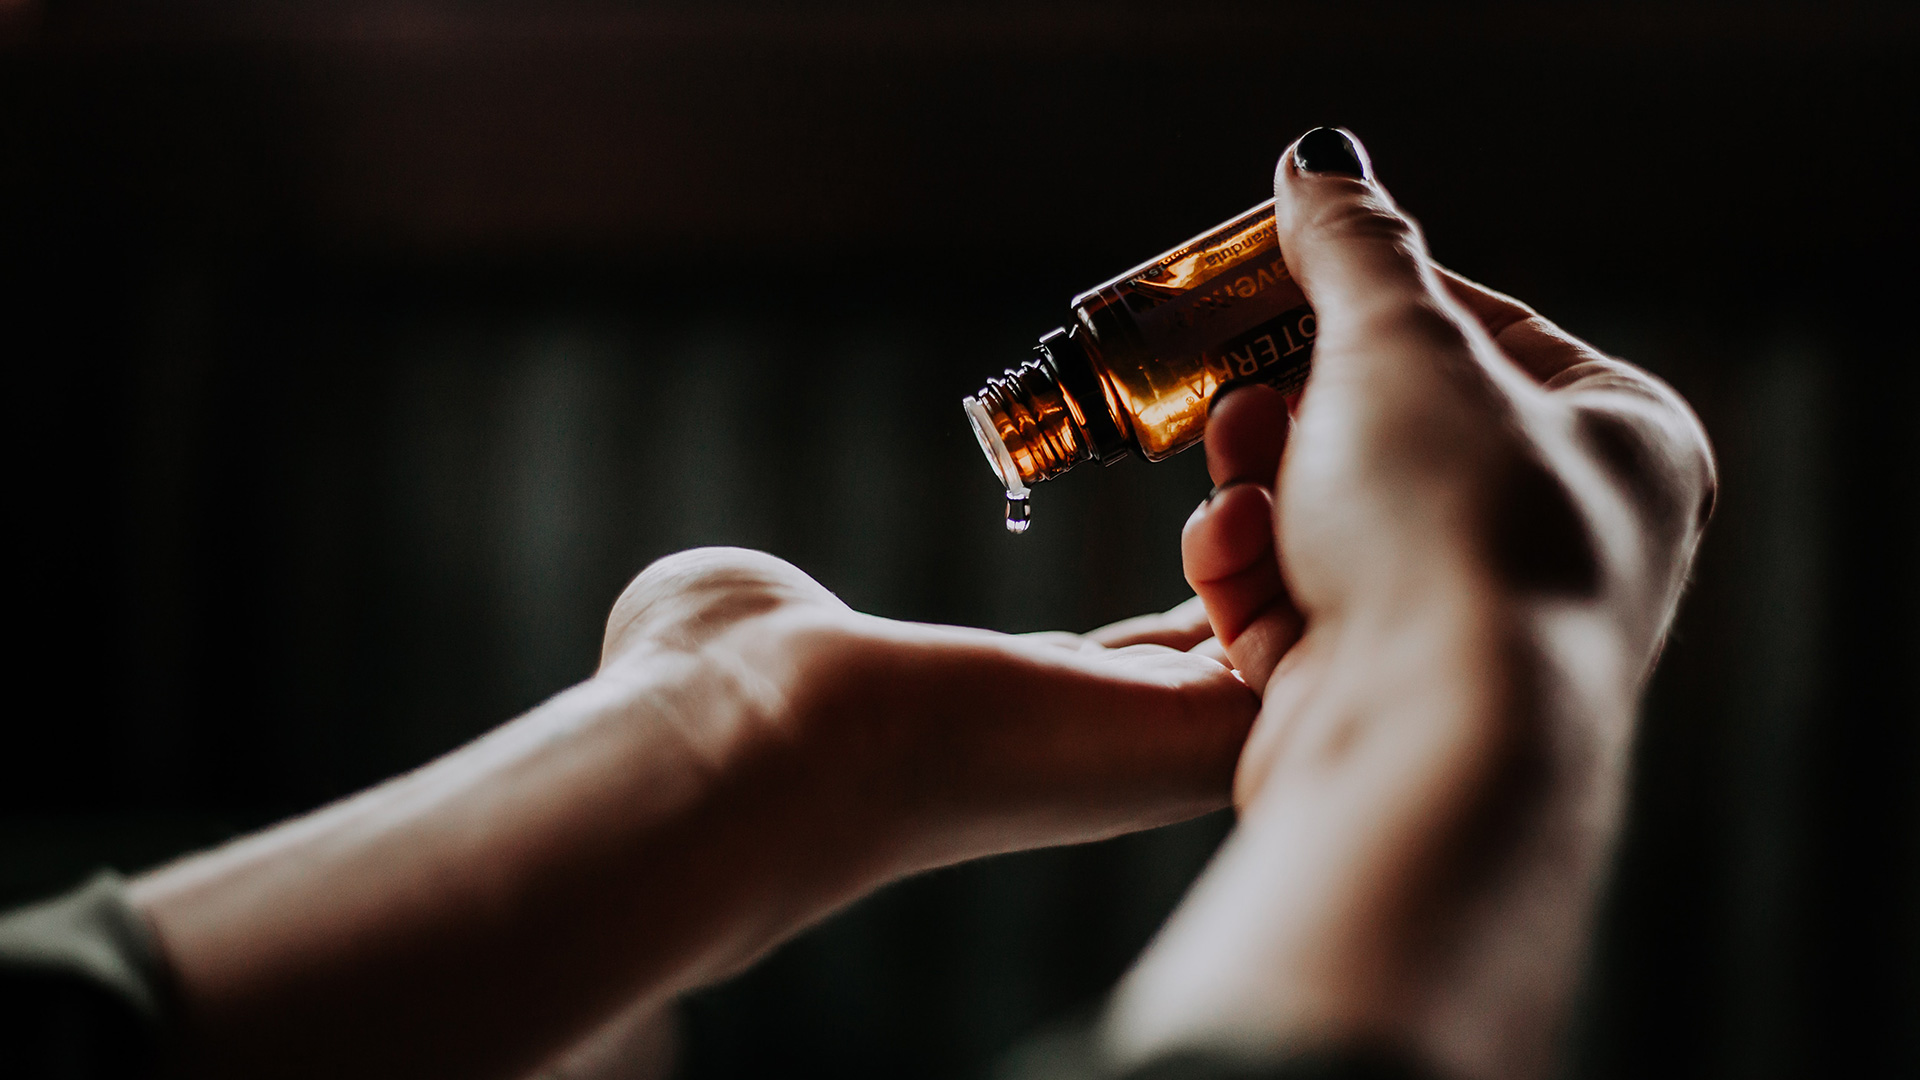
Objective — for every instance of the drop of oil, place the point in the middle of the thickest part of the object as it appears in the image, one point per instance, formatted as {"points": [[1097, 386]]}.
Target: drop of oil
{"points": [[1019, 514]]}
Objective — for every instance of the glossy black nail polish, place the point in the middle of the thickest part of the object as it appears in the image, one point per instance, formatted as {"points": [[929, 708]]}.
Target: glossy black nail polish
{"points": [[1329, 151]]}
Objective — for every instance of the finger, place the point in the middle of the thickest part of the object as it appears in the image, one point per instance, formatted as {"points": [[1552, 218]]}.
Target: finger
{"points": [[1059, 639], [1641, 430], [1495, 310], [1213, 650], [1556, 358], [1539, 347], [1227, 550], [1038, 746], [1181, 627], [1385, 322], [1246, 434]]}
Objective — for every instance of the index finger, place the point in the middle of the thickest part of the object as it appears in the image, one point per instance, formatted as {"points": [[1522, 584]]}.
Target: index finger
{"points": [[1642, 429], [1542, 349], [1180, 627]]}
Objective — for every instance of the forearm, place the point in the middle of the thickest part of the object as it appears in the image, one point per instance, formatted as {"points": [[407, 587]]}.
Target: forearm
{"points": [[473, 916], [751, 756]]}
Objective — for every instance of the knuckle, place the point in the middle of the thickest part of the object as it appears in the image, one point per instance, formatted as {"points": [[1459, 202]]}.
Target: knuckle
{"points": [[1541, 538], [1646, 437], [1371, 219], [1619, 441], [1659, 463]]}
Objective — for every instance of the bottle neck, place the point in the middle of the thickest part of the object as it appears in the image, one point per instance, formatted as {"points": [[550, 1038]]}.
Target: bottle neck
{"points": [[1067, 354], [1026, 428]]}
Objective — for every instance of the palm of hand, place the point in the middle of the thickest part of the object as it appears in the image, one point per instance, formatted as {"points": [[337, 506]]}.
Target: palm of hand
{"points": [[923, 745]]}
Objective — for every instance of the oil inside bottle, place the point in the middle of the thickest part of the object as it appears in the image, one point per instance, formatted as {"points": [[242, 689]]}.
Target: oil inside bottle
{"points": [[1019, 513], [1145, 356]]}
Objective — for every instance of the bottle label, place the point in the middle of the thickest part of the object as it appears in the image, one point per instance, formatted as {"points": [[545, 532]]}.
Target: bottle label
{"points": [[1276, 353], [1172, 333], [1226, 300]]}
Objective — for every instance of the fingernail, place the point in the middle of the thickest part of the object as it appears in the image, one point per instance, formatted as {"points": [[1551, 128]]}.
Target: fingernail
{"points": [[1329, 151]]}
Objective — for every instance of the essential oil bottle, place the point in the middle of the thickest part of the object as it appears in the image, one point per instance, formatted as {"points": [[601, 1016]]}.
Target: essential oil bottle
{"points": [[1144, 357]]}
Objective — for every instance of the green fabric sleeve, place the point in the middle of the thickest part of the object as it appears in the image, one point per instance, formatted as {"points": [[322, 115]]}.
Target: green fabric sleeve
{"points": [[83, 987], [83, 996]]}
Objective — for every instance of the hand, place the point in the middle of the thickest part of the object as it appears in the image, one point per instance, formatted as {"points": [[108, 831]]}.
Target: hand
{"points": [[925, 745], [751, 755], [1450, 574]]}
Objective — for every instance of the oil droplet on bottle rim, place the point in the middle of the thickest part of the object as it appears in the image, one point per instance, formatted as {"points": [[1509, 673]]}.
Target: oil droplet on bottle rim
{"points": [[1019, 514]]}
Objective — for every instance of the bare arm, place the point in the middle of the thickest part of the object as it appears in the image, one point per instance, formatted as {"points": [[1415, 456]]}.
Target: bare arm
{"points": [[751, 755]]}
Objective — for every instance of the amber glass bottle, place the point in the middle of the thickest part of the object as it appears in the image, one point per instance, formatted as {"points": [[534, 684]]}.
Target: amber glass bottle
{"points": [[1146, 354]]}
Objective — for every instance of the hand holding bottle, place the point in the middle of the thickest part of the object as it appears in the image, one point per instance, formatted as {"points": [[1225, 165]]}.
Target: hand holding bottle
{"points": [[1449, 575]]}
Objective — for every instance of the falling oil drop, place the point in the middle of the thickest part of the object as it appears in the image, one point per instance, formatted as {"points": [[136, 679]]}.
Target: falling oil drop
{"points": [[1019, 513]]}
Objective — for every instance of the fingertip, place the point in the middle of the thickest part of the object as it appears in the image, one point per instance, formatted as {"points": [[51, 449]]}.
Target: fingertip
{"points": [[1228, 553], [1361, 261], [1246, 434], [1327, 151], [1229, 532], [1213, 650], [1180, 627]]}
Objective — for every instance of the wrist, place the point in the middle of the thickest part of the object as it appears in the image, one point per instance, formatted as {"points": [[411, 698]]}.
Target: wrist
{"points": [[640, 833], [758, 719], [812, 723], [1414, 866]]}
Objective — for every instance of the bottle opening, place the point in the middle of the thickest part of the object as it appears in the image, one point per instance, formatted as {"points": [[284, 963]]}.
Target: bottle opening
{"points": [[992, 445], [1025, 427]]}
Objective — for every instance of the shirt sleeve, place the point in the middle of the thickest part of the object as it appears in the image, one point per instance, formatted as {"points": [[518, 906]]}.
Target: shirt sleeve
{"points": [[83, 996], [82, 987]]}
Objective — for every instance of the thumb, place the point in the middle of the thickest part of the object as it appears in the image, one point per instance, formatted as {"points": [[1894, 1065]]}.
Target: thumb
{"points": [[1406, 425], [1362, 263]]}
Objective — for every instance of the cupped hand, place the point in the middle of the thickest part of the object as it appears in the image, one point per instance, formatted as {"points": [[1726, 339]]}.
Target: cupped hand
{"points": [[1449, 567]]}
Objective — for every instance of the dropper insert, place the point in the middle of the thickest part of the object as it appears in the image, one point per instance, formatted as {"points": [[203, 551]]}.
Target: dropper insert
{"points": [[995, 447]]}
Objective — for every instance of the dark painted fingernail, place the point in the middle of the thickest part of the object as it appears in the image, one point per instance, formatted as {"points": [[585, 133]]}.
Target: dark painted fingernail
{"points": [[1329, 151]]}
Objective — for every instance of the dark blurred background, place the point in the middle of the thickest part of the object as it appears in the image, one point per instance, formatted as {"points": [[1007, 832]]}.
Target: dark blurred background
{"points": [[357, 353]]}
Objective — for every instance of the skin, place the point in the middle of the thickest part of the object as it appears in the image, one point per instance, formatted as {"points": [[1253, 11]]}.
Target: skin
{"points": [[751, 755], [1450, 571], [1448, 574]]}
